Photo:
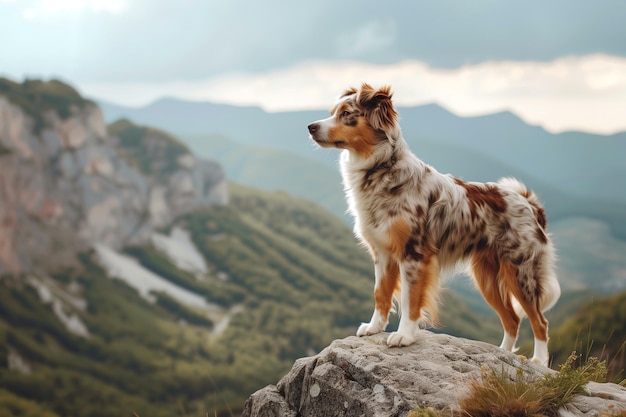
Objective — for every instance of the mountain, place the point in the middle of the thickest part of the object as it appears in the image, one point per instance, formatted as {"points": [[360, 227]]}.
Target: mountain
{"points": [[275, 169], [581, 164], [66, 182]]}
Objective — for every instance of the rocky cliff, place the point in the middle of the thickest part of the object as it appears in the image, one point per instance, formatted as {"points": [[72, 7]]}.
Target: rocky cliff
{"points": [[66, 182], [363, 377]]}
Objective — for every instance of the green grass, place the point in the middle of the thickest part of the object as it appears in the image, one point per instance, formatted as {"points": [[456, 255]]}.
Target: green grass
{"points": [[597, 329], [152, 151], [11, 406]]}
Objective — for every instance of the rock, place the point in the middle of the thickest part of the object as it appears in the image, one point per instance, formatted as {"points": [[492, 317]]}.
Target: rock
{"points": [[69, 184], [364, 377], [268, 402]]}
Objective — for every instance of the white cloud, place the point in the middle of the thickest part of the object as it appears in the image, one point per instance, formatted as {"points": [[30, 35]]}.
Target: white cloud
{"points": [[573, 93]]}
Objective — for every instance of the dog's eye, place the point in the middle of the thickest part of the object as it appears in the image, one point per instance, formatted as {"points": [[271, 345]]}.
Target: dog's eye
{"points": [[345, 113]]}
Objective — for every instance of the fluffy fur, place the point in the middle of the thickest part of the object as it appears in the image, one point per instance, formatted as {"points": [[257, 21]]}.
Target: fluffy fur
{"points": [[417, 222]]}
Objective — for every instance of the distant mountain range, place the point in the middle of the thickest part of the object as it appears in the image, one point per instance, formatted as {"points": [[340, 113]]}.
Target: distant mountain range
{"points": [[584, 165]]}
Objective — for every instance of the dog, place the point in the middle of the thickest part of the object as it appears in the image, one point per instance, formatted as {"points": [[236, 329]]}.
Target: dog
{"points": [[418, 223]]}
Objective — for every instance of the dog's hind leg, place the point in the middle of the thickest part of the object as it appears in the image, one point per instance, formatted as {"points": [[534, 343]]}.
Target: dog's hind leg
{"points": [[485, 270], [419, 295], [387, 281], [528, 294]]}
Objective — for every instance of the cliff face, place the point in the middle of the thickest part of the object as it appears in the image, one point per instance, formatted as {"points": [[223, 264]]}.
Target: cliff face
{"points": [[65, 184], [363, 377]]}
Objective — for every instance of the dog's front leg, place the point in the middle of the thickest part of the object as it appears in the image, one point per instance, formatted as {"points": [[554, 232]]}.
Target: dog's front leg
{"points": [[419, 278], [387, 279]]}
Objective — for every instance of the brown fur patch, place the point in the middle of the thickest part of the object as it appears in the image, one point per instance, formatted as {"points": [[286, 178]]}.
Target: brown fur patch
{"points": [[377, 105], [485, 268], [360, 138], [484, 195], [538, 322], [424, 290], [540, 215], [433, 197], [348, 92], [412, 249], [541, 236], [389, 283], [399, 234]]}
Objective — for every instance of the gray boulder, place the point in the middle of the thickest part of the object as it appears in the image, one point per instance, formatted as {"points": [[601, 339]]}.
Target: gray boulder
{"points": [[364, 377]]}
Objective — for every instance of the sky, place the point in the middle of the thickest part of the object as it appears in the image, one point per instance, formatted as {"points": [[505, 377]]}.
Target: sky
{"points": [[560, 64]]}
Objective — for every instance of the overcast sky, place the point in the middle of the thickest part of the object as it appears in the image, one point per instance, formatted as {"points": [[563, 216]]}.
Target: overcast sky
{"points": [[557, 63]]}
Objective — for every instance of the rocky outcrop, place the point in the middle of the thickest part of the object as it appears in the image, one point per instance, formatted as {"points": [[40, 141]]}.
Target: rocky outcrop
{"points": [[65, 185], [363, 377]]}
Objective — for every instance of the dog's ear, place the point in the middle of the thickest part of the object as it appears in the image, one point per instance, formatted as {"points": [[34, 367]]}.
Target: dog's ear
{"points": [[348, 92], [378, 106]]}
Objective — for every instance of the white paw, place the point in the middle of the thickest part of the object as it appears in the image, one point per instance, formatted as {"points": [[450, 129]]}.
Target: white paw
{"points": [[400, 339], [540, 355], [366, 329]]}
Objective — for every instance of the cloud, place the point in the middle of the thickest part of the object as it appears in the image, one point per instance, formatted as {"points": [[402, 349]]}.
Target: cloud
{"points": [[373, 36], [572, 93], [161, 40]]}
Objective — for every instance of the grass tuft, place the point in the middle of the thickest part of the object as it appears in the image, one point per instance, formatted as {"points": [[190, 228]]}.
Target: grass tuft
{"points": [[498, 394]]}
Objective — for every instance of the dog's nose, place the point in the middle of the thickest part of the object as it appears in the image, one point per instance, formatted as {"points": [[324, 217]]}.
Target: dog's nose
{"points": [[313, 127]]}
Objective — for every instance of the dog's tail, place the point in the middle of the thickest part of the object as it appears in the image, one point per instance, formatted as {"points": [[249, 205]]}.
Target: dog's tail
{"points": [[530, 196], [550, 289]]}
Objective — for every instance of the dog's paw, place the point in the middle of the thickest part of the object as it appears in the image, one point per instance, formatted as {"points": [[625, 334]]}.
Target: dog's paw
{"points": [[400, 339], [366, 329], [539, 361]]}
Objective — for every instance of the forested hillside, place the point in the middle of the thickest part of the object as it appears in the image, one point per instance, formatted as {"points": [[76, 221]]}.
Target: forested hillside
{"points": [[284, 278], [597, 329]]}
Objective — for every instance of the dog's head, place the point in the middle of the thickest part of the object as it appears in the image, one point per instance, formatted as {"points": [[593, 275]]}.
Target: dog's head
{"points": [[360, 121]]}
